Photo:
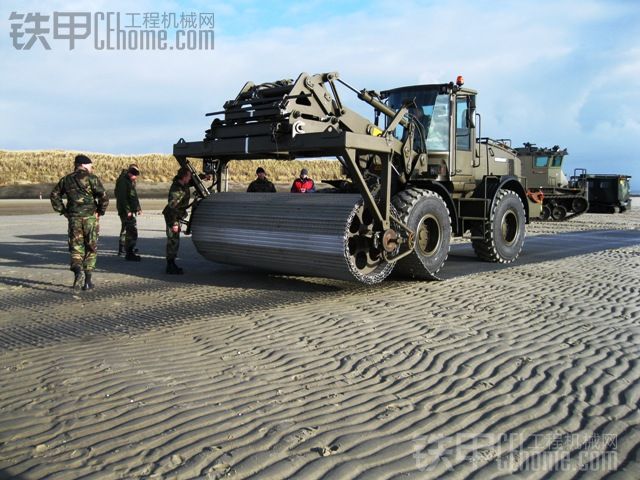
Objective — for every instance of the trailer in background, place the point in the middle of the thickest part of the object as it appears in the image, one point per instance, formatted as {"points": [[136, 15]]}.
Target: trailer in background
{"points": [[608, 193]]}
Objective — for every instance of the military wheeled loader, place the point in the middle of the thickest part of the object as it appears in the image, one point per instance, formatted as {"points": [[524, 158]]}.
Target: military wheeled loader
{"points": [[416, 174]]}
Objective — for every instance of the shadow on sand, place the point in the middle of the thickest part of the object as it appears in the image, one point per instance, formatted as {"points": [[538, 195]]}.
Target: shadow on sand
{"points": [[7, 476], [542, 248], [179, 299], [45, 251]]}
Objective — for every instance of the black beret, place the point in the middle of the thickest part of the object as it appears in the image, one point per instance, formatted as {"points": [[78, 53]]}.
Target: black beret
{"points": [[82, 160]]}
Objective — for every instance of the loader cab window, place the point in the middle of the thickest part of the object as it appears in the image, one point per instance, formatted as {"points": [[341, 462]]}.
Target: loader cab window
{"points": [[463, 138], [432, 112], [556, 161], [541, 162], [438, 135]]}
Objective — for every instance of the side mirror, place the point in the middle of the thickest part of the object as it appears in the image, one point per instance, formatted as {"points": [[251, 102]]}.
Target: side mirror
{"points": [[471, 112], [471, 118]]}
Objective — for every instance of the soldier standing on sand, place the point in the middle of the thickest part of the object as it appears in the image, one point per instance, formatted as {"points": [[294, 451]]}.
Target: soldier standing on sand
{"points": [[176, 210], [86, 202], [261, 184], [128, 207]]}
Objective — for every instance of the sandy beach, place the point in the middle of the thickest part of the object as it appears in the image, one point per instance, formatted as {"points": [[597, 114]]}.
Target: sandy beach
{"points": [[530, 369]]}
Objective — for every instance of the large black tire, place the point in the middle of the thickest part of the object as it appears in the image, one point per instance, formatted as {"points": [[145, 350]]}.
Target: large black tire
{"points": [[427, 215], [504, 232]]}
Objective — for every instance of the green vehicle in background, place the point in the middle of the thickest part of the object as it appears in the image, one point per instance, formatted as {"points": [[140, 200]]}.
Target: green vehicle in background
{"points": [[561, 198]]}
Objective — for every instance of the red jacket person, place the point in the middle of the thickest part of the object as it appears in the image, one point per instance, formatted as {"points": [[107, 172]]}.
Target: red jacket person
{"points": [[303, 184]]}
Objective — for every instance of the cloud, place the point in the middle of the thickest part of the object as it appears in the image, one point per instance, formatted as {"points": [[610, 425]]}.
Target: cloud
{"points": [[547, 72]]}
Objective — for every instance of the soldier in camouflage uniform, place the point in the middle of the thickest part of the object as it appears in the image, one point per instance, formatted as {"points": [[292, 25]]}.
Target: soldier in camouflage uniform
{"points": [[175, 211], [128, 207], [86, 202]]}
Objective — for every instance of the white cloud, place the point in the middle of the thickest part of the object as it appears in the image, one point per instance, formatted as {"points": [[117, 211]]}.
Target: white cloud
{"points": [[531, 61]]}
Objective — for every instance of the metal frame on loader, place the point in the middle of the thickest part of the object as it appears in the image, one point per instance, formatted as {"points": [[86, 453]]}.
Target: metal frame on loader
{"points": [[413, 198]]}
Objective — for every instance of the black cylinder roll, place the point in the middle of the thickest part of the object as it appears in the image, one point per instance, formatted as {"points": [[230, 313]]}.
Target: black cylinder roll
{"points": [[299, 234]]}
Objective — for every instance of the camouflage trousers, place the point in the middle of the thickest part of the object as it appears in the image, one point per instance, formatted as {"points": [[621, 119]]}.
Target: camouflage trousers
{"points": [[128, 232], [173, 242], [83, 242]]}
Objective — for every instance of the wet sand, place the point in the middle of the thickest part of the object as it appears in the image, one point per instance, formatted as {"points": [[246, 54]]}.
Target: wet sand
{"points": [[530, 369]]}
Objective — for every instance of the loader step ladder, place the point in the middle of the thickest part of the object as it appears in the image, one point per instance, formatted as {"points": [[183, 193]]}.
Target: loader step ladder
{"points": [[473, 210]]}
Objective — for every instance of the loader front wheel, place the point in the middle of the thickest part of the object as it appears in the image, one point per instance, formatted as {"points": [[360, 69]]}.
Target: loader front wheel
{"points": [[427, 215], [503, 235]]}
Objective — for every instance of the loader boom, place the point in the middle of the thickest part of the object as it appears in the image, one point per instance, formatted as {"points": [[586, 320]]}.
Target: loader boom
{"points": [[288, 120]]}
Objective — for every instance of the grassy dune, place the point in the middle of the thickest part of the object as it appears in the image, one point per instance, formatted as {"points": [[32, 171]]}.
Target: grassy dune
{"points": [[47, 166]]}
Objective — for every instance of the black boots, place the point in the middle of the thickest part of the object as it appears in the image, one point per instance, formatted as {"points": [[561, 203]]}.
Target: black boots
{"points": [[131, 256], [173, 269], [77, 277], [120, 249], [87, 281]]}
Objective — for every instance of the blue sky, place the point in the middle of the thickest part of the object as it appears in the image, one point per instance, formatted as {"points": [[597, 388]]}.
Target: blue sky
{"points": [[548, 72]]}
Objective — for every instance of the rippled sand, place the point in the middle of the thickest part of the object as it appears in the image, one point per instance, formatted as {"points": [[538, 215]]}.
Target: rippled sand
{"points": [[230, 373]]}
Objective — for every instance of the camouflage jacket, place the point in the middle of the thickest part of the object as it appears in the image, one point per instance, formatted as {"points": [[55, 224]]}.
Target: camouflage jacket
{"points": [[126, 195], [85, 195], [259, 185], [177, 202]]}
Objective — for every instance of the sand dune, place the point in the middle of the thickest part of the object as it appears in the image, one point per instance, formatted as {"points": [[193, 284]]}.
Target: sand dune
{"points": [[229, 373]]}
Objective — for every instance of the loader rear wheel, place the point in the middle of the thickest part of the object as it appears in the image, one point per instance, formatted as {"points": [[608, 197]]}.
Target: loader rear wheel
{"points": [[504, 233], [425, 213]]}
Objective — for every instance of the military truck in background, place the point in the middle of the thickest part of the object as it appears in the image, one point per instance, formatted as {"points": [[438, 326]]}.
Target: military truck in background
{"points": [[561, 198], [608, 193]]}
